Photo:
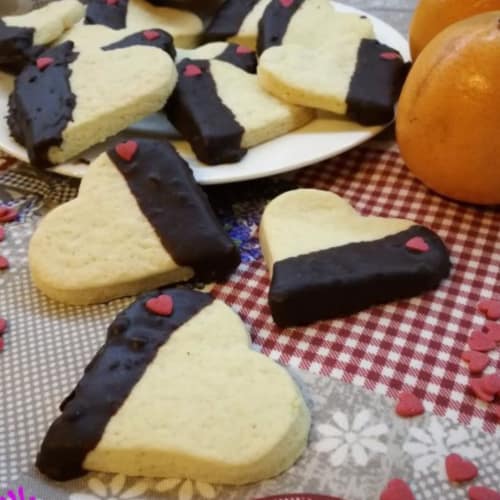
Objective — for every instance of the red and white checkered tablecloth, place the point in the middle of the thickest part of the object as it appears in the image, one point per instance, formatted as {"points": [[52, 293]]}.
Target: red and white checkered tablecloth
{"points": [[414, 344]]}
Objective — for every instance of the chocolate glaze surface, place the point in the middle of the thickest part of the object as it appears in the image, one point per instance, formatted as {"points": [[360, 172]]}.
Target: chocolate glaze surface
{"points": [[133, 340], [274, 23], [247, 61], [375, 84], [164, 42], [16, 48], [197, 111], [178, 209], [344, 280], [114, 16], [42, 104], [228, 19]]}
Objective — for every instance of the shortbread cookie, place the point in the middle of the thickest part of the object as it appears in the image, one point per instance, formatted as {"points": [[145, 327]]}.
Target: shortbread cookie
{"points": [[236, 21], [139, 221], [68, 101], [138, 15], [25, 36], [177, 391], [310, 23], [85, 36], [326, 260], [232, 53], [221, 111], [361, 79]]}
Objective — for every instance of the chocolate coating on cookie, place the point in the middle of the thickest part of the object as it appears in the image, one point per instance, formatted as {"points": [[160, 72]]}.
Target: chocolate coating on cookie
{"points": [[42, 104], [274, 23], [344, 280], [133, 340], [113, 15], [178, 210], [234, 55], [164, 41], [16, 47], [228, 19], [197, 111], [375, 84]]}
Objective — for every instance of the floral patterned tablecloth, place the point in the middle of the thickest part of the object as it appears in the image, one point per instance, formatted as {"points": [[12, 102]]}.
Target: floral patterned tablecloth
{"points": [[349, 368]]}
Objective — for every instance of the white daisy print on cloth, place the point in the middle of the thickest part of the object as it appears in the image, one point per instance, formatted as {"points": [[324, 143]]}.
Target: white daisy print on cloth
{"points": [[358, 437], [188, 489], [431, 445], [115, 490]]}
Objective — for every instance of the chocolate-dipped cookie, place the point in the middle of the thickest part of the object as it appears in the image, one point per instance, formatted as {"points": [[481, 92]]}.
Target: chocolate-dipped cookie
{"points": [[326, 260]]}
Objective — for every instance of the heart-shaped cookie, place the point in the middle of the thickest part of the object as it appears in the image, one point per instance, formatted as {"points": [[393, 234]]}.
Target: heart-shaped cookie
{"points": [[478, 361], [409, 405], [459, 469], [138, 15], [326, 260], [139, 221], [397, 489], [23, 37], [221, 111], [179, 396], [86, 97]]}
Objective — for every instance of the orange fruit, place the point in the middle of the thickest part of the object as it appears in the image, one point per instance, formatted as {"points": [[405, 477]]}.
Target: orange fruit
{"points": [[448, 116], [432, 16]]}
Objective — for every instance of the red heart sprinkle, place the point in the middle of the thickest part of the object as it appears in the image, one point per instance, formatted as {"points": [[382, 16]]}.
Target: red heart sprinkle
{"points": [[162, 305], [478, 341], [477, 388], [492, 330], [111, 2], [3, 326], [478, 361], [397, 489], [491, 384], [417, 244], [390, 56], [192, 70], [460, 470], [150, 35], [43, 62], [241, 49], [7, 214], [126, 150], [2, 233], [482, 493], [490, 308], [409, 405], [286, 3], [4, 263]]}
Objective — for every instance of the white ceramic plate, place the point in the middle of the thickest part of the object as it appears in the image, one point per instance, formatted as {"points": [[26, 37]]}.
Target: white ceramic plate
{"points": [[323, 138]]}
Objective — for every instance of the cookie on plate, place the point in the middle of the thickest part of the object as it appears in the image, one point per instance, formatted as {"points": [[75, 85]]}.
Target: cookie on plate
{"points": [[221, 111], [138, 15], [361, 79], [236, 21], [232, 53], [177, 391], [68, 101], [326, 260], [139, 221], [85, 36], [25, 36], [310, 23]]}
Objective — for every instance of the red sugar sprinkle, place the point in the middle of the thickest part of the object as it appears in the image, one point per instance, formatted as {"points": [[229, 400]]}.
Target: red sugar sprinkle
{"points": [[482, 493], [409, 405], [477, 388], [478, 341], [162, 305], [490, 308], [286, 3], [150, 35], [397, 489], [478, 361], [241, 49], [7, 214], [4, 263], [43, 62], [192, 70], [460, 470], [3, 326], [417, 244], [389, 56], [126, 150]]}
